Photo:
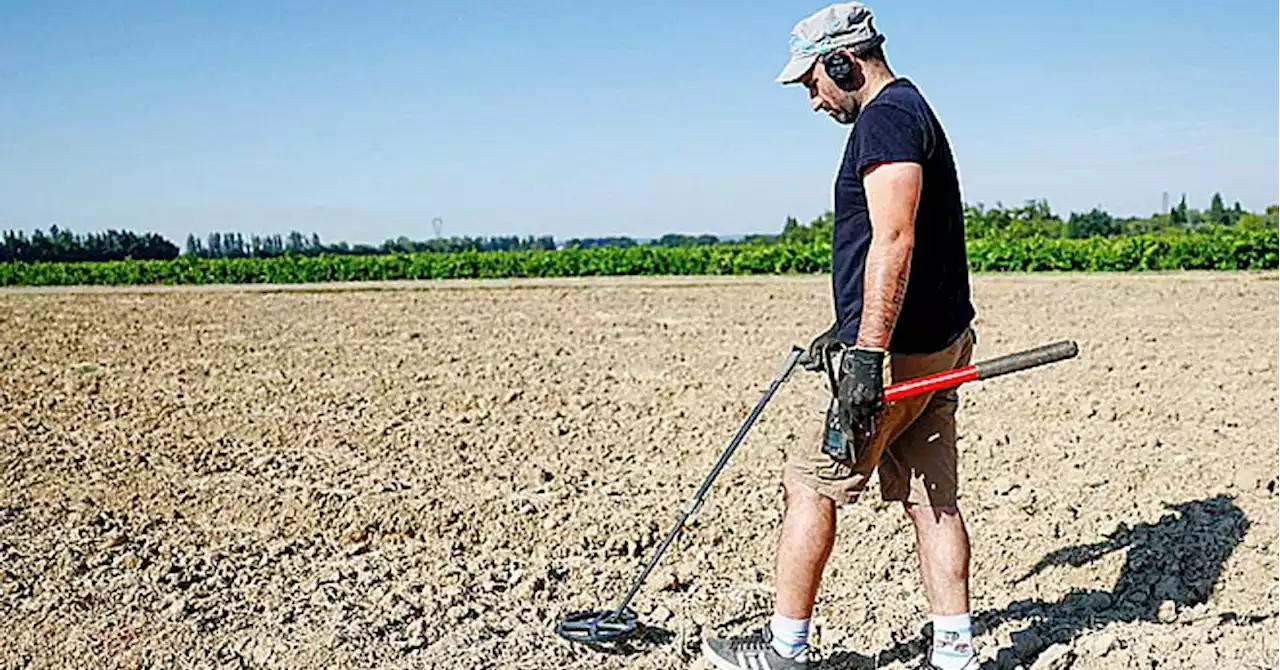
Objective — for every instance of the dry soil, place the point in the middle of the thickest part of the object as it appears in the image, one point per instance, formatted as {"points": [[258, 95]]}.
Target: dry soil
{"points": [[431, 475]]}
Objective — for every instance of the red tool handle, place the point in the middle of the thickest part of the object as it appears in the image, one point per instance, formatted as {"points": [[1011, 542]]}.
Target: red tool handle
{"points": [[1003, 365]]}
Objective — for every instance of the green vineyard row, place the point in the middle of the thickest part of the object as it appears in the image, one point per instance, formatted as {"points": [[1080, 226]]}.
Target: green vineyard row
{"points": [[1219, 250]]}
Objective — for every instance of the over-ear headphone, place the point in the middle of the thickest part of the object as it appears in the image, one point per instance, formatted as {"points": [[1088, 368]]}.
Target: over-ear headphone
{"points": [[840, 68]]}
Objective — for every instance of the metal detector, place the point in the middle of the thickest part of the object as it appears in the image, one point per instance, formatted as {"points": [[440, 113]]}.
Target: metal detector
{"points": [[604, 626]]}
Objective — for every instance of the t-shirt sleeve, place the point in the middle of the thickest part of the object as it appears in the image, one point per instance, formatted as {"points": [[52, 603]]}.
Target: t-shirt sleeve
{"points": [[889, 133]]}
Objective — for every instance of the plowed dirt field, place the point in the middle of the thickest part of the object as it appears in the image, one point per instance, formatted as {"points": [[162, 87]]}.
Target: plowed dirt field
{"points": [[430, 476]]}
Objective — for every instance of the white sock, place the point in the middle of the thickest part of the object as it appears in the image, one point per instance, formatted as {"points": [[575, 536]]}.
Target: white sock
{"points": [[952, 641], [790, 636]]}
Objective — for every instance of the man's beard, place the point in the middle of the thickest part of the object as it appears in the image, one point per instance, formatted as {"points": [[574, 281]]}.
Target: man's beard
{"points": [[846, 112], [842, 117]]}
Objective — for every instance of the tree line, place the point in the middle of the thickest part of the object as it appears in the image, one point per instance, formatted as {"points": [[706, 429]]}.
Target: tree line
{"points": [[1035, 219], [1032, 219], [63, 245], [233, 245]]}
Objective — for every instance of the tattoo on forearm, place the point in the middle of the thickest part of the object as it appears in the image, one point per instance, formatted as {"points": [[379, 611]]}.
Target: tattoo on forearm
{"points": [[889, 315], [886, 286]]}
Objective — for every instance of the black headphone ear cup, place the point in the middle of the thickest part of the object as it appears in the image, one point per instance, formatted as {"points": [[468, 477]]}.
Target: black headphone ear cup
{"points": [[840, 69]]}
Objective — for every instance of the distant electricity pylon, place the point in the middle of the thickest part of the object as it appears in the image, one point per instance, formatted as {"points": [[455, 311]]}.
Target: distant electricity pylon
{"points": [[438, 224]]}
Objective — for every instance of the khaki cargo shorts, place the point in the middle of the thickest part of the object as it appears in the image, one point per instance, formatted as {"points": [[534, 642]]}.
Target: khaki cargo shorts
{"points": [[914, 445]]}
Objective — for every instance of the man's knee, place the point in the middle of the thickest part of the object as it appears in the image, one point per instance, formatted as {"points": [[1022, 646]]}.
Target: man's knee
{"points": [[795, 493]]}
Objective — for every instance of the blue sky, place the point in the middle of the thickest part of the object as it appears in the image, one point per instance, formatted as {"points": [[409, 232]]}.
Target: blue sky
{"points": [[364, 121]]}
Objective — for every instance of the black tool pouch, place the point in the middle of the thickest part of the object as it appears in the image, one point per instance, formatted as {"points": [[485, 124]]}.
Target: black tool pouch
{"points": [[834, 443]]}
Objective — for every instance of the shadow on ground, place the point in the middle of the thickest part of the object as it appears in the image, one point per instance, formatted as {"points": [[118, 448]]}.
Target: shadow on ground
{"points": [[1169, 565], [644, 639]]}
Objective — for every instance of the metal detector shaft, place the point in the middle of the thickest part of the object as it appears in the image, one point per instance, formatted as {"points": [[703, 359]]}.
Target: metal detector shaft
{"points": [[696, 502]]}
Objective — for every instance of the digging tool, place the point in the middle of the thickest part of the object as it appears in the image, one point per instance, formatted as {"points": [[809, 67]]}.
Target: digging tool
{"points": [[604, 626], [838, 448]]}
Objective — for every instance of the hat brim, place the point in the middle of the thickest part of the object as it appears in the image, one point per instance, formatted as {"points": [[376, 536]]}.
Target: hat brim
{"points": [[796, 68]]}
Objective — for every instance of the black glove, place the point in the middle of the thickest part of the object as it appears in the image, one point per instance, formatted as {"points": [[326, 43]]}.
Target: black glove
{"points": [[815, 358], [861, 394]]}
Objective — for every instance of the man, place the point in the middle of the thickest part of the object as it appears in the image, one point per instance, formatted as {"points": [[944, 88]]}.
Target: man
{"points": [[901, 291]]}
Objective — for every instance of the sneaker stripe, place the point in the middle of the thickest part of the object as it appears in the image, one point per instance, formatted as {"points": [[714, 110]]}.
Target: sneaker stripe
{"points": [[748, 654]]}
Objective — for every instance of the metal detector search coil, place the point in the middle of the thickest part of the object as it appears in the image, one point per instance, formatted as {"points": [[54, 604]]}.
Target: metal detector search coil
{"points": [[604, 626]]}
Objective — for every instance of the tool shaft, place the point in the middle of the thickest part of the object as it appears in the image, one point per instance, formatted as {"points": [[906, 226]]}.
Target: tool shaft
{"points": [[1003, 365], [698, 497]]}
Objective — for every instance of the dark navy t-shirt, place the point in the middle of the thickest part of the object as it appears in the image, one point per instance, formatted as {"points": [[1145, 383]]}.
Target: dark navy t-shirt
{"points": [[898, 125]]}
